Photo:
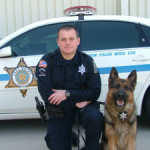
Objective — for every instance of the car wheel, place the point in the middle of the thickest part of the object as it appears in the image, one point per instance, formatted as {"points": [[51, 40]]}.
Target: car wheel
{"points": [[147, 106]]}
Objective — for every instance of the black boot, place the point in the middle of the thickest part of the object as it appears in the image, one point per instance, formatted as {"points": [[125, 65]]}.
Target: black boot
{"points": [[75, 140], [83, 148]]}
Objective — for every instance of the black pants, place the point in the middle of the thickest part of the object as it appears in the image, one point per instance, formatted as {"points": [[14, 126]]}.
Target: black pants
{"points": [[59, 130]]}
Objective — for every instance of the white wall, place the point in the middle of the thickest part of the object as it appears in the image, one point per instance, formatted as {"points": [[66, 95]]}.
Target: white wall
{"points": [[139, 8], [15, 14]]}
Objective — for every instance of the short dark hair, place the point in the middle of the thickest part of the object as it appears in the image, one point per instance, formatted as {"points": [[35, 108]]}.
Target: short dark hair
{"points": [[68, 27]]}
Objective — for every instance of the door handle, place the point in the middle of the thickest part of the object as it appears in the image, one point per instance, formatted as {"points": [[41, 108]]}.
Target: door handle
{"points": [[141, 58]]}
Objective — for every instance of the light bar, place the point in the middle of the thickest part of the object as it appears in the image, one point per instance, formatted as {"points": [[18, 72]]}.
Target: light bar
{"points": [[80, 10]]}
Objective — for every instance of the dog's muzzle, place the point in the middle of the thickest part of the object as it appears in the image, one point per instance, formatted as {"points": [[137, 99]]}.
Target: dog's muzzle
{"points": [[120, 98]]}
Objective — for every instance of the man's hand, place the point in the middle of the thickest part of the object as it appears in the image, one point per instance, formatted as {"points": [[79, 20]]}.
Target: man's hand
{"points": [[82, 104], [57, 97]]}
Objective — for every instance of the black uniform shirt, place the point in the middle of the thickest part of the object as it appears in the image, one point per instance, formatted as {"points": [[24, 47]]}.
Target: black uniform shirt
{"points": [[79, 76]]}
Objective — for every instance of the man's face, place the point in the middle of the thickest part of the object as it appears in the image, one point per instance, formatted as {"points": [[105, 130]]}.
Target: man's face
{"points": [[68, 42]]}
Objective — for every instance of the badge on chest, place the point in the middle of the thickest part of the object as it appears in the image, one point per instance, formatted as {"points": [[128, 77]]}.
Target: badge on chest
{"points": [[82, 69]]}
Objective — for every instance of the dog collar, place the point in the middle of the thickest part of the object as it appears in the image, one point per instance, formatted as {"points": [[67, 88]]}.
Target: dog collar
{"points": [[109, 122], [123, 115]]}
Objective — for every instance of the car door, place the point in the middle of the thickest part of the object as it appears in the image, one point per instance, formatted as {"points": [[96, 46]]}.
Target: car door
{"points": [[117, 44], [18, 84]]}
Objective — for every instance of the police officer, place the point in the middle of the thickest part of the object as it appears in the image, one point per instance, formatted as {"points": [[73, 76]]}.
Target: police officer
{"points": [[68, 80]]}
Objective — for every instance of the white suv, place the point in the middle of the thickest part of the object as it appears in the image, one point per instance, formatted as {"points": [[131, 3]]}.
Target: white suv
{"points": [[112, 41]]}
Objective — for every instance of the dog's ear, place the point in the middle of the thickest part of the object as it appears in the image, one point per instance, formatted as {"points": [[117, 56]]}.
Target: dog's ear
{"points": [[133, 78], [113, 76]]}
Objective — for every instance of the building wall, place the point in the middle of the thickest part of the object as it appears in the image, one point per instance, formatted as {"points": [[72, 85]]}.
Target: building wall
{"points": [[139, 8], [15, 14]]}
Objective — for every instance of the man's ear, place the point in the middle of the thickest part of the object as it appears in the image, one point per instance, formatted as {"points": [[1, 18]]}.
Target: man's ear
{"points": [[78, 40], [57, 41]]}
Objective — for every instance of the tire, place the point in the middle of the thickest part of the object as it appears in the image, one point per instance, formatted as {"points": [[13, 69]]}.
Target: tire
{"points": [[147, 106]]}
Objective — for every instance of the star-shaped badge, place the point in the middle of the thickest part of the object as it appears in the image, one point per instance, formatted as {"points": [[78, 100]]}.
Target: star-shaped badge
{"points": [[123, 115], [82, 69], [21, 76]]}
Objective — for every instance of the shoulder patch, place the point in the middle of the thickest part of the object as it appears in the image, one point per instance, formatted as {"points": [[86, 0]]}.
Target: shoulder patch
{"points": [[95, 67], [43, 64]]}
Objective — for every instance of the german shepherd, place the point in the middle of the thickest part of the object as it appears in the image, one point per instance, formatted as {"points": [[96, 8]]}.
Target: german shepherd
{"points": [[120, 114]]}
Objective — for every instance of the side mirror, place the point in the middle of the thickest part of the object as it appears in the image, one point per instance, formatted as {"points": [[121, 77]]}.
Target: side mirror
{"points": [[5, 52]]}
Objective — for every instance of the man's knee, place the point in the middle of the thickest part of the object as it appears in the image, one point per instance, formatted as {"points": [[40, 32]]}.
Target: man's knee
{"points": [[97, 121], [55, 142], [93, 117]]}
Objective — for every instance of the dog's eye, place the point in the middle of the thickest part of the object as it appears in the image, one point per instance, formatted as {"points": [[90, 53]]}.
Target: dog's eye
{"points": [[126, 88], [117, 86]]}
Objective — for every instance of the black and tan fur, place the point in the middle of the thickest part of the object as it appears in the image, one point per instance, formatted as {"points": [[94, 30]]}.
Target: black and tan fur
{"points": [[120, 115]]}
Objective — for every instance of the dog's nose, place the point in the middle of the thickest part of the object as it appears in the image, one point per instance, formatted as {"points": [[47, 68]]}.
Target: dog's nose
{"points": [[121, 94]]}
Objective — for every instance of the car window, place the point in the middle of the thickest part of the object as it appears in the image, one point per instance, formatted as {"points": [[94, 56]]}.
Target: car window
{"points": [[99, 35], [147, 31], [37, 41]]}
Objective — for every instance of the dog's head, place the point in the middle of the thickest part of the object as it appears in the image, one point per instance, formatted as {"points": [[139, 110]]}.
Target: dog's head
{"points": [[121, 90]]}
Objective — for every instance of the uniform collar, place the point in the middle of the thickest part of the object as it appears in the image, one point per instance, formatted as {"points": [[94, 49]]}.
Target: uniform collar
{"points": [[60, 59]]}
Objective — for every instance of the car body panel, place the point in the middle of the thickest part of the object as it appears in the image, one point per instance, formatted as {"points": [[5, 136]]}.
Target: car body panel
{"points": [[14, 97], [135, 59], [18, 86]]}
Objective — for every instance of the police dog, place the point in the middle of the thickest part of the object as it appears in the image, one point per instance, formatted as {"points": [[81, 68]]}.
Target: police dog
{"points": [[120, 115]]}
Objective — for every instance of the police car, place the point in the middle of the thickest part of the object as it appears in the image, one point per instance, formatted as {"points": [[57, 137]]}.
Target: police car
{"points": [[113, 41]]}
